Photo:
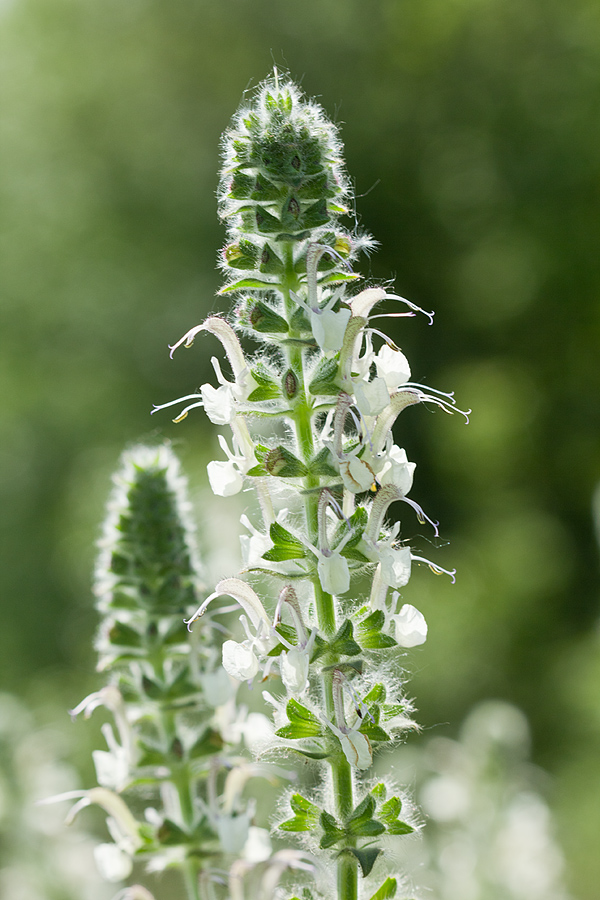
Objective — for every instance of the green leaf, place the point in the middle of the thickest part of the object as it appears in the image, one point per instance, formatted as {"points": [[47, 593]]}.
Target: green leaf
{"points": [[400, 828], [377, 694], [369, 633], [311, 754], [387, 890], [124, 635], [302, 722], [270, 263], [265, 320], [343, 642], [370, 726], [208, 743], [286, 546], [323, 380], [287, 632], [258, 218], [169, 834], [389, 813], [379, 791], [338, 277], [282, 463], [306, 815], [366, 857], [262, 393], [332, 831], [361, 822], [247, 284], [321, 464]]}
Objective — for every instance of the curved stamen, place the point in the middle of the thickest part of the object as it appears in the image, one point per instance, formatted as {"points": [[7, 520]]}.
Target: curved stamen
{"points": [[437, 570], [422, 517], [412, 306]]}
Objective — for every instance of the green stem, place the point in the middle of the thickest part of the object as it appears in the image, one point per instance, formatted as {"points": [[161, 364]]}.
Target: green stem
{"points": [[190, 876], [302, 417]]}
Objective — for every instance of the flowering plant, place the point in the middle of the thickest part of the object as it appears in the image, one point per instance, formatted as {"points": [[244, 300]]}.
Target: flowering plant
{"points": [[325, 477], [311, 415]]}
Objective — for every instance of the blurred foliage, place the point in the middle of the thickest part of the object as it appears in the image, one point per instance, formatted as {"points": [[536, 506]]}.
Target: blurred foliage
{"points": [[473, 139]]}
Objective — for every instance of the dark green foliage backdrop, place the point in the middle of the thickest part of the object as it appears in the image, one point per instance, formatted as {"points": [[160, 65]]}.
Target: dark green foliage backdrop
{"points": [[472, 135]]}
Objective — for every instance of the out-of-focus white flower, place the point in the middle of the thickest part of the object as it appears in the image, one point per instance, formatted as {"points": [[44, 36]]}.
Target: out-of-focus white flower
{"points": [[217, 687], [392, 366], [410, 627], [112, 862], [233, 831], [258, 845]]}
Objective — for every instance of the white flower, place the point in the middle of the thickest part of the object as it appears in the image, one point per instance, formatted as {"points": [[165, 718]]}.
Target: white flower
{"points": [[393, 367], [395, 565], [258, 845], [219, 403], [411, 627], [225, 478], [329, 327], [356, 747], [254, 544], [357, 475], [112, 862], [217, 687], [333, 572], [233, 831], [372, 397], [398, 470], [239, 660], [294, 666]]}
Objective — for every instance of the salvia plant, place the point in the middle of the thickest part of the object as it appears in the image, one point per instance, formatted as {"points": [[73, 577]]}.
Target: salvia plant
{"points": [[311, 416], [172, 776], [310, 413]]}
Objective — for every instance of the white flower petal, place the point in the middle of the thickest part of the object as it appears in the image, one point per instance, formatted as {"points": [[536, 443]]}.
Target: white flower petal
{"points": [[112, 862], [411, 627], [357, 475], [372, 397], [395, 566], [329, 328], [393, 367], [294, 670], [239, 660], [334, 573], [219, 403], [225, 478], [258, 845], [398, 470], [357, 749]]}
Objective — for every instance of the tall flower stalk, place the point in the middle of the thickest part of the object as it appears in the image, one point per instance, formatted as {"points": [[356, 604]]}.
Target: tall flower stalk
{"points": [[327, 386], [172, 776]]}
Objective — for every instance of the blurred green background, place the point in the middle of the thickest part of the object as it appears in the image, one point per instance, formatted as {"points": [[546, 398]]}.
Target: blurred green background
{"points": [[472, 134]]}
